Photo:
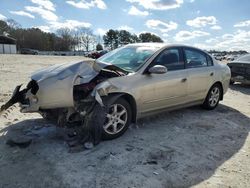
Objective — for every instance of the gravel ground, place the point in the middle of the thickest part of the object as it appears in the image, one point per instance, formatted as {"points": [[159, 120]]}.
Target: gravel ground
{"points": [[184, 148]]}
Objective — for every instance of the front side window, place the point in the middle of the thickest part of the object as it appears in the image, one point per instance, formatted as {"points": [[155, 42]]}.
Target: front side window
{"points": [[169, 58], [195, 58]]}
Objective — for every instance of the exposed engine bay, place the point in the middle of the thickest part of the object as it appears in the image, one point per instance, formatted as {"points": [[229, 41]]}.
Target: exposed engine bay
{"points": [[85, 118]]}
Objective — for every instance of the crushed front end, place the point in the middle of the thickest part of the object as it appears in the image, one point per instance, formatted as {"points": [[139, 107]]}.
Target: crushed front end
{"points": [[70, 96]]}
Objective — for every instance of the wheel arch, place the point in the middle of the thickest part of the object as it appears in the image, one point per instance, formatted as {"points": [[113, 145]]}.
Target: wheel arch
{"points": [[129, 98]]}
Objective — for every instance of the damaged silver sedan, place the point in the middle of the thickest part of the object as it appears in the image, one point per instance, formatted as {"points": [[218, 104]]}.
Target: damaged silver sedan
{"points": [[123, 85]]}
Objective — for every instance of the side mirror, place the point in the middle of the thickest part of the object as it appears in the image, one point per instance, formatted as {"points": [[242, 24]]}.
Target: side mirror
{"points": [[158, 69]]}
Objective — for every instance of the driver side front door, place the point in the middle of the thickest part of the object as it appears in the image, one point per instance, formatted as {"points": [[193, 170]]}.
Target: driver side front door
{"points": [[165, 90]]}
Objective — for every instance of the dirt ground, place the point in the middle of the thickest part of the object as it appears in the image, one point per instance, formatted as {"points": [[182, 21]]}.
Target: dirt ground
{"points": [[185, 148]]}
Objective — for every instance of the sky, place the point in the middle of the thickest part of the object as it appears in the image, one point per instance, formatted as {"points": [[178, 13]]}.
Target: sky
{"points": [[207, 24]]}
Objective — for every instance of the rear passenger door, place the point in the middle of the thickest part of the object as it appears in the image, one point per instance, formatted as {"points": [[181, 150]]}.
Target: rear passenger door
{"points": [[200, 73]]}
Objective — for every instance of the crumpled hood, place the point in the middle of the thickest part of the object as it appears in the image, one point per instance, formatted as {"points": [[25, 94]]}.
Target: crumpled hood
{"points": [[88, 69]]}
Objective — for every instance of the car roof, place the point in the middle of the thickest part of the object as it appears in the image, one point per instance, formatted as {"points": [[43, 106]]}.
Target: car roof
{"points": [[162, 45], [148, 44]]}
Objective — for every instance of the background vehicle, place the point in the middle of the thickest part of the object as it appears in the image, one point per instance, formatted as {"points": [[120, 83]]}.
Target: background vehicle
{"points": [[218, 57], [130, 83], [28, 51], [231, 57], [240, 69], [97, 54]]}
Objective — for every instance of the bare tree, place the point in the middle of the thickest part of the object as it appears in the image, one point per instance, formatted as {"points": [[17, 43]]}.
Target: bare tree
{"points": [[66, 39], [13, 24], [76, 37], [87, 38], [4, 28]]}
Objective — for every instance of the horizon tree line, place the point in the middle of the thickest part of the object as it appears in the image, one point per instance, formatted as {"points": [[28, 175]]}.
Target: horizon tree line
{"points": [[66, 39]]}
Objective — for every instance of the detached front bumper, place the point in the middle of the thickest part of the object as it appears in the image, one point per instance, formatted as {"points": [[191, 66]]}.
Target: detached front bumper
{"points": [[25, 97]]}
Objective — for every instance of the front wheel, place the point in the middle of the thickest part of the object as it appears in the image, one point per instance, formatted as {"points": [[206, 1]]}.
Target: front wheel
{"points": [[213, 97], [118, 119]]}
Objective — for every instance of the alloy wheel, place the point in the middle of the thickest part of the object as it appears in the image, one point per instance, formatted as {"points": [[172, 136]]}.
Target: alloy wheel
{"points": [[214, 96], [116, 119]]}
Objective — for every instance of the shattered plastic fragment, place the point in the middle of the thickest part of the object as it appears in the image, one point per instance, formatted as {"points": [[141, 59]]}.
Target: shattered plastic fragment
{"points": [[88, 145]]}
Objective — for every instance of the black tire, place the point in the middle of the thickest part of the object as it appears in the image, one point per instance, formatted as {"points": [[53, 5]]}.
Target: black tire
{"points": [[125, 104], [212, 105]]}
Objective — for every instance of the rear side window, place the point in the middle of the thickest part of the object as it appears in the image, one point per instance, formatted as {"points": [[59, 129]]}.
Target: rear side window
{"points": [[195, 58]]}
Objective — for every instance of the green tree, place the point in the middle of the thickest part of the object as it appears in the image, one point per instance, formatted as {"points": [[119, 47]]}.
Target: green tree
{"points": [[115, 38], [125, 37], [111, 39], [134, 38], [99, 47], [149, 37]]}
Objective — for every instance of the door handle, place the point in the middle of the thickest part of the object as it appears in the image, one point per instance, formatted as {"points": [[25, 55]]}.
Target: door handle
{"points": [[184, 80], [211, 74]]}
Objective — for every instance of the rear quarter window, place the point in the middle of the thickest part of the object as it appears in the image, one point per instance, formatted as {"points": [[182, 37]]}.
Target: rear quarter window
{"points": [[195, 58], [209, 61]]}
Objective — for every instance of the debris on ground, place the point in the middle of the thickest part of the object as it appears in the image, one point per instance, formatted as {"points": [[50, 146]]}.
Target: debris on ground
{"points": [[88, 145], [129, 147], [152, 162], [88, 133], [76, 149], [20, 141], [155, 173]]}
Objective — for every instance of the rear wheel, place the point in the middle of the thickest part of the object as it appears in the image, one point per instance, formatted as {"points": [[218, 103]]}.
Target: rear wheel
{"points": [[117, 120], [213, 97]]}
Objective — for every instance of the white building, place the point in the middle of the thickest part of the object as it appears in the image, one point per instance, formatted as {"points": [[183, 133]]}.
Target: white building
{"points": [[7, 45]]}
